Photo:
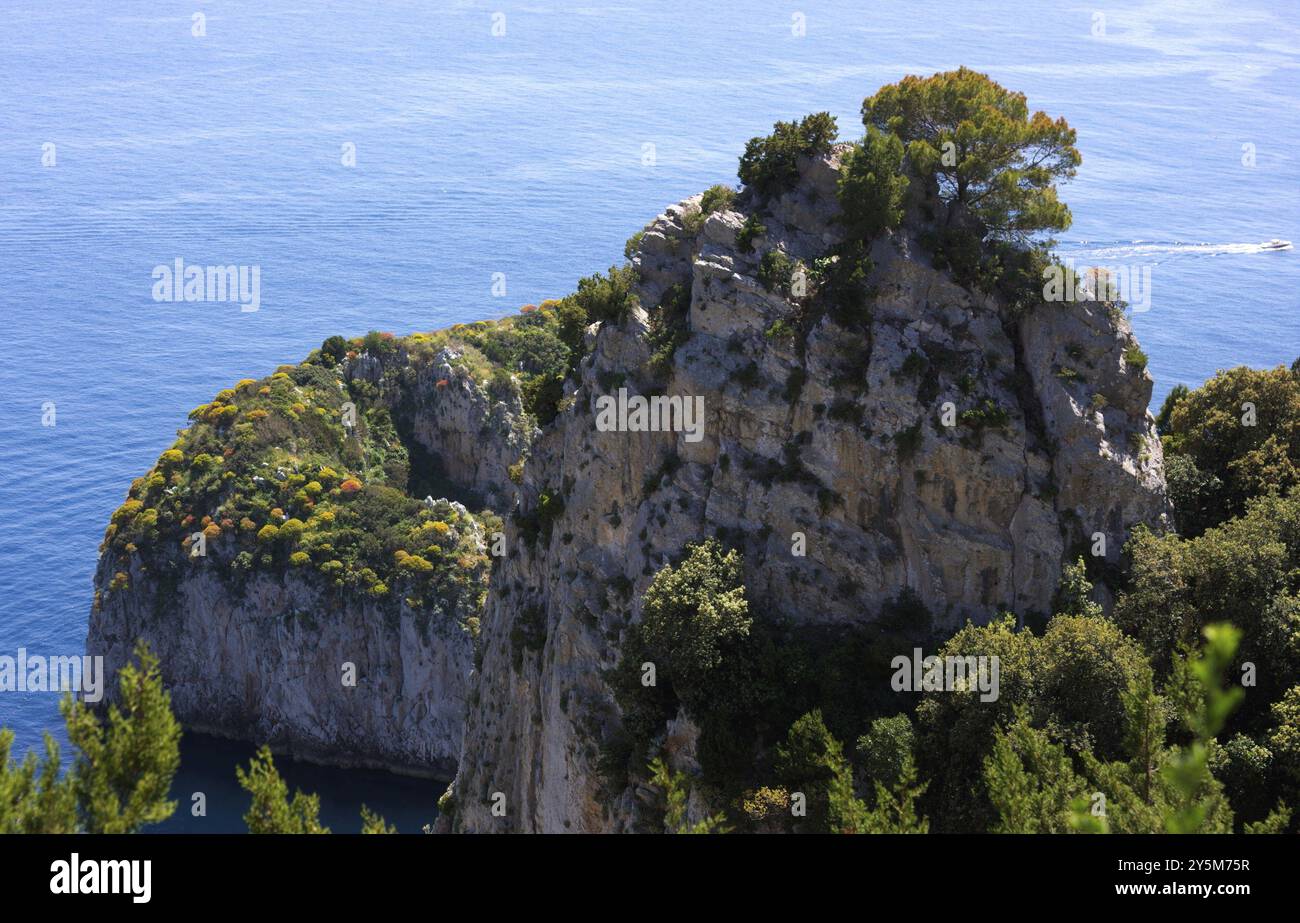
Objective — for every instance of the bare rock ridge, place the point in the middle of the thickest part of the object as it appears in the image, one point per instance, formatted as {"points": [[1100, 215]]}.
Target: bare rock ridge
{"points": [[974, 519], [940, 446]]}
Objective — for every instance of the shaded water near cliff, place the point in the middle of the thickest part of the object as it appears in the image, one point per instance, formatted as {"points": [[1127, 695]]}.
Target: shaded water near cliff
{"points": [[208, 766]]}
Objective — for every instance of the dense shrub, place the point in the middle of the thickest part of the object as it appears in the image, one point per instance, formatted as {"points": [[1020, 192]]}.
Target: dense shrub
{"points": [[872, 185], [841, 283], [607, 297], [669, 327], [770, 165], [1246, 571], [333, 350], [775, 271], [717, 198], [1135, 358], [749, 231], [692, 616], [1240, 436]]}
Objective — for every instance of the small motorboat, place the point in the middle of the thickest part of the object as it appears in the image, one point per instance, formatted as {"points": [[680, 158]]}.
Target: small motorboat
{"points": [[1275, 244]]}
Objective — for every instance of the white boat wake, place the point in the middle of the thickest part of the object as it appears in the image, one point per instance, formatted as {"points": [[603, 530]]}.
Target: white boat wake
{"points": [[1141, 248]]}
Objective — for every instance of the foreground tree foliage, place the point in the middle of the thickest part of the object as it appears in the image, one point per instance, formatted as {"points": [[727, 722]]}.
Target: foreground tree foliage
{"points": [[1039, 785], [676, 797], [122, 771], [1072, 679], [1246, 571], [272, 810], [813, 768]]}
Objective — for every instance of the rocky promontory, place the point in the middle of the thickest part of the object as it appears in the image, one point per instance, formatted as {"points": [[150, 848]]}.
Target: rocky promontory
{"points": [[427, 553]]}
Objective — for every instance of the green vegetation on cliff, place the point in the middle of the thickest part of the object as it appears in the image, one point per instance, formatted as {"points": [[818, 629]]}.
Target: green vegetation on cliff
{"points": [[303, 470], [313, 469], [1179, 712], [994, 164]]}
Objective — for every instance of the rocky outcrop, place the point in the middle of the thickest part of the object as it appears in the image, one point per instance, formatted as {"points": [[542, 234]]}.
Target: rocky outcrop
{"points": [[1081, 360], [936, 447], [931, 442], [471, 437], [282, 662], [284, 654]]}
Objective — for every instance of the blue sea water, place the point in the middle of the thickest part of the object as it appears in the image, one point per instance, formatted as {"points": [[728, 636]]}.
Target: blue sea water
{"points": [[534, 153]]}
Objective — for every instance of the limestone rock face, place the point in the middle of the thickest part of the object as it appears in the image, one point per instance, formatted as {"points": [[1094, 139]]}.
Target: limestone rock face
{"points": [[269, 666], [1097, 417], [266, 661], [472, 437], [936, 447]]}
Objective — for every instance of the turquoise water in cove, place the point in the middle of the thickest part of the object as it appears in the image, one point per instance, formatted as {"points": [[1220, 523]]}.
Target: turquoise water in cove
{"points": [[534, 153]]}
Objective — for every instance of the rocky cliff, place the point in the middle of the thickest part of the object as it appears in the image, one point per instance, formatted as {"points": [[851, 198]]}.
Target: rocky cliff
{"points": [[939, 444], [915, 439], [269, 664], [252, 561]]}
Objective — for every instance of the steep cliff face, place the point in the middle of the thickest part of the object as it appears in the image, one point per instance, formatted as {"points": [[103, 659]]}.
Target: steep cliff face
{"points": [[936, 444], [272, 664], [296, 623]]}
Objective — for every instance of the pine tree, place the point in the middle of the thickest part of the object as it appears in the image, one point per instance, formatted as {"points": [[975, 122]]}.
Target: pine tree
{"points": [[122, 771], [812, 762], [1031, 781], [676, 796], [33, 798], [896, 808], [1074, 595], [124, 766], [373, 823], [992, 160], [272, 811], [1034, 785]]}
